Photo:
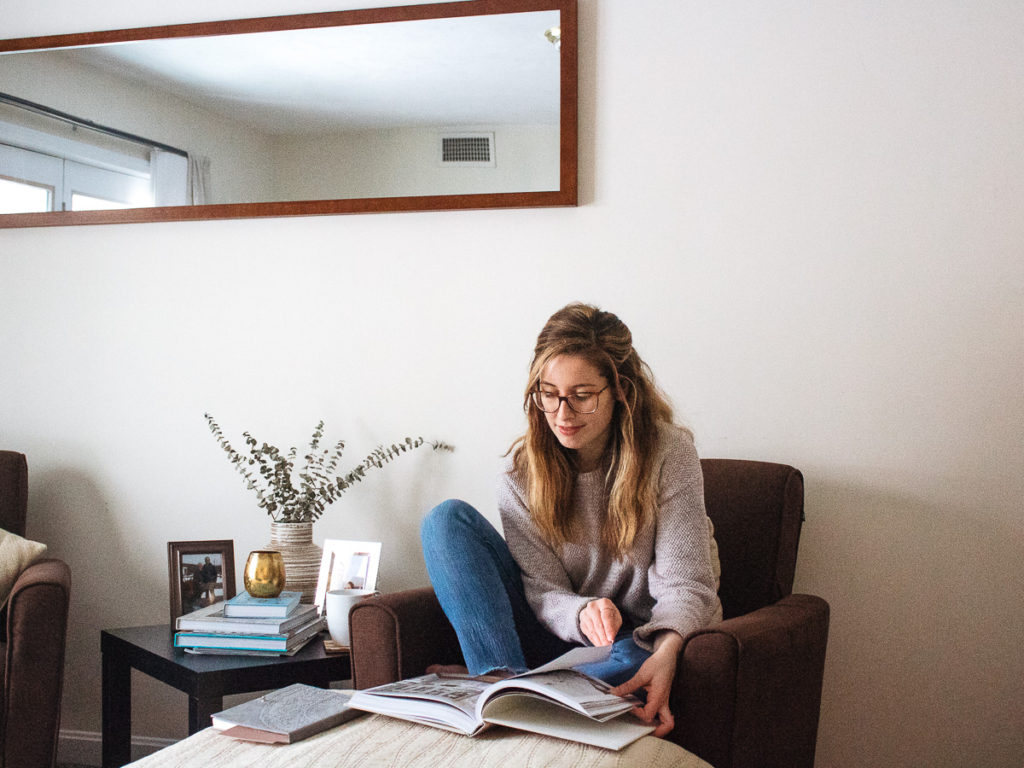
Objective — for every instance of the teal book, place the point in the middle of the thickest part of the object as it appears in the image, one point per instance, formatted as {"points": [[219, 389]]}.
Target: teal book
{"points": [[245, 606]]}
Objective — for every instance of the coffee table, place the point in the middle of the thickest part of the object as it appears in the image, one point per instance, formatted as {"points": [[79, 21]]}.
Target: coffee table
{"points": [[205, 678]]}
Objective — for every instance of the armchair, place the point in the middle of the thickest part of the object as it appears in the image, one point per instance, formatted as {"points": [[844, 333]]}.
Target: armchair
{"points": [[747, 691], [33, 628]]}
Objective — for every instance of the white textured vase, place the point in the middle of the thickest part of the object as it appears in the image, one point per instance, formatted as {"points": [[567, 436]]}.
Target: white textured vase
{"points": [[301, 556]]}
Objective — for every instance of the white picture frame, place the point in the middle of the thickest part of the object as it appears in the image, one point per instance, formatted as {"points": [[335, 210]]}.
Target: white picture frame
{"points": [[347, 565]]}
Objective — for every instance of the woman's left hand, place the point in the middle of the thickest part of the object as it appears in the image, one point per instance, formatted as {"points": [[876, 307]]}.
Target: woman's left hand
{"points": [[656, 676]]}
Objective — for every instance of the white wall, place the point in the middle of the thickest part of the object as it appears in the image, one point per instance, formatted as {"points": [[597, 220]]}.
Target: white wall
{"points": [[809, 214]]}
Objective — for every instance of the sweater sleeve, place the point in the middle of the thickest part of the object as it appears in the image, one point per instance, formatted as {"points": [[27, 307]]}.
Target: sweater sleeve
{"points": [[682, 577], [548, 588]]}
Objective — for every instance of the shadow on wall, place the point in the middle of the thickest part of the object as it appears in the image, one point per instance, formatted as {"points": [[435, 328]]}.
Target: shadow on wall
{"points": [[924, 646], [70, 513]]}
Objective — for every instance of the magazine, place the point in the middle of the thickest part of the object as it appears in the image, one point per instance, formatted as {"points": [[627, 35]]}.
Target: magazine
{"points": [[554, 700]]}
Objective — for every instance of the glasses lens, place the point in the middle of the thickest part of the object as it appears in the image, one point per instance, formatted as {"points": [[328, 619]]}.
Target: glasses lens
{"points": [[546, 401], [583, 403]]}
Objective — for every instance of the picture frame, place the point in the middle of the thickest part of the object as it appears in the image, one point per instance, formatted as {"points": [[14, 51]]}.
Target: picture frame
{"points": [[347, 565], [199, 573]]}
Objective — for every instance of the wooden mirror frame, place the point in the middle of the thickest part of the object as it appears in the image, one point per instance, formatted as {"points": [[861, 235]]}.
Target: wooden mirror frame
{"points": [[566, 195]]}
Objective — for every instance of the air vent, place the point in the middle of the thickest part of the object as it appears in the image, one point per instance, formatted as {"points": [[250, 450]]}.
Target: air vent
{"points": [[468, 149]]}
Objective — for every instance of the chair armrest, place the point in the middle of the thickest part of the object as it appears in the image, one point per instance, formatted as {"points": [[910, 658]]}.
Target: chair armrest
{"points": [[748, 690], [398, 635], [37, 619]]}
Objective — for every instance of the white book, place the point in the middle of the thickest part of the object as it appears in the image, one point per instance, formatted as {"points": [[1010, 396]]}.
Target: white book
{"points": [[554, 700], [211, 618]]}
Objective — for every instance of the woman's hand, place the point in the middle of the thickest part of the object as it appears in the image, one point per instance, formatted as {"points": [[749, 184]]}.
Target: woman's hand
{"points": [[600, 621], [655, 676]]}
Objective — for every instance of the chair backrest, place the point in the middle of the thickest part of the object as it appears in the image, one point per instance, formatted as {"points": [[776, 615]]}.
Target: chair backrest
{"points": [[757, 508], [13, 491]]}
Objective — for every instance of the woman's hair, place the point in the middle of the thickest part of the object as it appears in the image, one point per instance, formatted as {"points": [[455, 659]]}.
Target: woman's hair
{"points": [[548, 469]]}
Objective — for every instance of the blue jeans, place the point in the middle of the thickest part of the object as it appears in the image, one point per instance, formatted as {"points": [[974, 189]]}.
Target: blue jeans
{"points": [[480, 588]]}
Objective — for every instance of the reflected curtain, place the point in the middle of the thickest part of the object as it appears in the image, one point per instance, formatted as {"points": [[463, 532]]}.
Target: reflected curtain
{"points": [[198, 178]]}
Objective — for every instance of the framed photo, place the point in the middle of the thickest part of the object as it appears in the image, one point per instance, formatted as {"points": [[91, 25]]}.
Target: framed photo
{"points": [[347, 565], [200, 573]]}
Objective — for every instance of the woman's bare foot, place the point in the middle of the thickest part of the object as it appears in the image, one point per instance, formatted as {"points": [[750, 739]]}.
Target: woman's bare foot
{"points": [[456, 670], [447, 669]]}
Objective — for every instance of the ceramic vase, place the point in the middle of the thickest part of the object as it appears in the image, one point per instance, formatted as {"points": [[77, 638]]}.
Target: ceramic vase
{"points": [[301, 556]]}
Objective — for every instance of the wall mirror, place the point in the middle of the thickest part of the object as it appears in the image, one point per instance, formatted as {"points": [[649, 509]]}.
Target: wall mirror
{"points": [[437, 106]]}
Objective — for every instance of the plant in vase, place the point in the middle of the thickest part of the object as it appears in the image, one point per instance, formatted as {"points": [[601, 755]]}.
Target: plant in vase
{"points": [[295, 496]]}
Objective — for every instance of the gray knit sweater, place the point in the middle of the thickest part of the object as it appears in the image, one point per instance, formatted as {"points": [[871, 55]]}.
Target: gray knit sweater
{"points": [[669, 580]]}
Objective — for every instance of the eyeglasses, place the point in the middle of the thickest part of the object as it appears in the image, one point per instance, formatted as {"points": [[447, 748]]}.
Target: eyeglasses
{"points": [[580, 402]]}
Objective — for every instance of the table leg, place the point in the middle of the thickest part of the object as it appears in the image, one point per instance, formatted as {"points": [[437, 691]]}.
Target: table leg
{"points": [[117, 712], [200, 709]]}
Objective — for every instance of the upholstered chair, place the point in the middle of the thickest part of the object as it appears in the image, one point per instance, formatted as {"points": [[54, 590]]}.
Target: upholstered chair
{"points": [[747, 691], [34, 628]]}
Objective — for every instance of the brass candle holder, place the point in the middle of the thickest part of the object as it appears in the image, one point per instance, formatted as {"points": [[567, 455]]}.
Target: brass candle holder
{"points": [[264, 573]]}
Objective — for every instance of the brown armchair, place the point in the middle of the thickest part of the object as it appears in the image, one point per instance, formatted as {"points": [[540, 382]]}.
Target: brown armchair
{"points": [[34, 628], [748, 691]]}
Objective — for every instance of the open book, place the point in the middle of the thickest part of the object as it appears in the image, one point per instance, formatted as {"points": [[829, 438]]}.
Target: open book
{"points": [[554, 700]]}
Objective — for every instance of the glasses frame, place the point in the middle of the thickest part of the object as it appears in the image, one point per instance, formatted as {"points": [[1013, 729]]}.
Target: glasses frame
{"points": [[565, 399]]}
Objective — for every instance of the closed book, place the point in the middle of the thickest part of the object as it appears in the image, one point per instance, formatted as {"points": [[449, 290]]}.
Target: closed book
{"points": [[281, 641], [212, 619], [286, 715], [245, 606], [236, 652]]}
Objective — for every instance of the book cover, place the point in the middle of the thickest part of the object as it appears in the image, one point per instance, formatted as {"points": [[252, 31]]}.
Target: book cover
{"points": [[245, 606], [211, 618], [282, 641], [287, 715], [236, 652], [555, 700]]}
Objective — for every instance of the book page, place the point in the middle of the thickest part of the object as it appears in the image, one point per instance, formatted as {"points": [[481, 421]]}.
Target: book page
{"points": [[529, 713], [587, 695], [448, 702], [455, 691], [574, 658]]}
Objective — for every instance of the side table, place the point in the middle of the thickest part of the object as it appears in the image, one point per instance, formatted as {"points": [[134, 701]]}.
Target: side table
{"points": [[205, 678]]}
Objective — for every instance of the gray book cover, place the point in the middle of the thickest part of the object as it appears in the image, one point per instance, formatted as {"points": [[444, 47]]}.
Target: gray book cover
{"points": [[294, 713]]}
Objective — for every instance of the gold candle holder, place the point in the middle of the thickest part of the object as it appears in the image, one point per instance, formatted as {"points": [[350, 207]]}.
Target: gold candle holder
{"points": [[264, 573]]}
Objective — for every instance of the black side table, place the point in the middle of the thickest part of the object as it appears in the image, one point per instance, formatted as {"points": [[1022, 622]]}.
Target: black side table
{"points": [[205, 678]]}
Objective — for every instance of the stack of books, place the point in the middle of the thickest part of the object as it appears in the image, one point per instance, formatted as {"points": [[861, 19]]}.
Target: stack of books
{"points": [[250, 626]]}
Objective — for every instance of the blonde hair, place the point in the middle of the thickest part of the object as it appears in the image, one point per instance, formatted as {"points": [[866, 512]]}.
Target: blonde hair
{"points": [[548, 469]]}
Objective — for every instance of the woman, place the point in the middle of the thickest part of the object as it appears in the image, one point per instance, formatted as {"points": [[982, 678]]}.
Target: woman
{"points": [[606, 538]]}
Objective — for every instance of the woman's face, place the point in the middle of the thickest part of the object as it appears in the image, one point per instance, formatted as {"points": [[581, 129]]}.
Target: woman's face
{"points": [[587, 434]]}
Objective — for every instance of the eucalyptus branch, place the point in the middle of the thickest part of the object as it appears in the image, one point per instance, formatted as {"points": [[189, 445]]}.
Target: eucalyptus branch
{"points": [[294, 496]]}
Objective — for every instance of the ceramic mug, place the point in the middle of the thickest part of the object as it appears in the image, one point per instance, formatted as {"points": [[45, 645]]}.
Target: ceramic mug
{"points": [[338, 603]]}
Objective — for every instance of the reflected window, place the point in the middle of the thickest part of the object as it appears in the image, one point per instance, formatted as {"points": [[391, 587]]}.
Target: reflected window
{"points": [[88, 203], [85, 168], [21, 197]]}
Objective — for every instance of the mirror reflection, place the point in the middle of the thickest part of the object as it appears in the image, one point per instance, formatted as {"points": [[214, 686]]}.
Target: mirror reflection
{"points": [[443, 106]]}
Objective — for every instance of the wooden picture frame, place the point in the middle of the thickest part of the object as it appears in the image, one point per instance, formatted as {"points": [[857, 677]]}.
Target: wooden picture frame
{"points": [[199, 573]]}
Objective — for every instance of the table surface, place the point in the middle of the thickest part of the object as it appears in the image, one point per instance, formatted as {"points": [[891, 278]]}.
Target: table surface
{"points": [[157, 641]]}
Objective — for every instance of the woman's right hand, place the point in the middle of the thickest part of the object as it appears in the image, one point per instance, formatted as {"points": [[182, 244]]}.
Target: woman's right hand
{"points": [[600, 621]]}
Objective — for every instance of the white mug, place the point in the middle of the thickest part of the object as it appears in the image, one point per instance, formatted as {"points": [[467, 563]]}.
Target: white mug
{"points": [[338, 603]]}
